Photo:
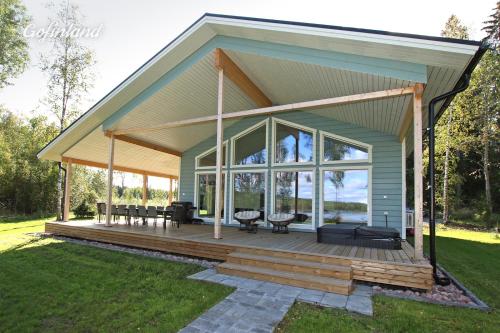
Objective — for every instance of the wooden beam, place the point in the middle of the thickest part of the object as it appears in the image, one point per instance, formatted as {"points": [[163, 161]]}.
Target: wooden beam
{"points": [[219, 161], [67, 190], [405, 125], [118, 168], [321, 103], [144, 190], [418, 170], [235, 74], [110, 179], [144, 144]]}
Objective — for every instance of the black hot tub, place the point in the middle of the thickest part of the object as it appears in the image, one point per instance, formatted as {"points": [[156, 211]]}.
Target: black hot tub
{"points": [[359, 235]]}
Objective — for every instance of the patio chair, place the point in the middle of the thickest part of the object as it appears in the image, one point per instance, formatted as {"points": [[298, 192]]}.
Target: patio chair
{"points": [[101, 210], [179, 215], [280, 222], [152, 212], [122, 211], [132, 214], [188, 208], [247, 220], [114, 212], [142, 212]]}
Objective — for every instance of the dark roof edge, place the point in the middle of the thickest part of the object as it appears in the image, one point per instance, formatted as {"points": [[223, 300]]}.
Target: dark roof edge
{"points": [[468, 71], [361, 30]]}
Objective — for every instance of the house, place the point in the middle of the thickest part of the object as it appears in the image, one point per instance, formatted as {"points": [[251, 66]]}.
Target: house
{"points": [[276, 116]]}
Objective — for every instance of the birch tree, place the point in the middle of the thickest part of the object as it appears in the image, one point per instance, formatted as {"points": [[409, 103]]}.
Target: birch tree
{"points": [[68, 67], [13, 45], [453, 29]]}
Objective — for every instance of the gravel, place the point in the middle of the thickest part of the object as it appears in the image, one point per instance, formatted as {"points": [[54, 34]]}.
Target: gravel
{"points": [[451, 295]]}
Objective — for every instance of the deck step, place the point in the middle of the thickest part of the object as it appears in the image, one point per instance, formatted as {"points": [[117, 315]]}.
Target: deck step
{"points": [[322, 283], [327, 259], [291, 265]]}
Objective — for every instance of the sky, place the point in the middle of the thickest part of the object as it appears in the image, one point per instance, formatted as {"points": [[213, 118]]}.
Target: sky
{"points": [[133, 31]]}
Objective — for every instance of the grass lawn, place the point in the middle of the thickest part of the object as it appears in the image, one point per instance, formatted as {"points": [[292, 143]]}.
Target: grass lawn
{"points": [[54, 286], [473, 257]]}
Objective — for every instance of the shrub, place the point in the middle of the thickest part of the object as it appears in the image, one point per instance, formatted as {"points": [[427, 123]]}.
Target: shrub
{"points": [[83, 210]]}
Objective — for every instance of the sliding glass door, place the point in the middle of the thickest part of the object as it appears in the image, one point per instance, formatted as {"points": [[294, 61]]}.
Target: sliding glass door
{"points": [[294, 194], [249, 192]]}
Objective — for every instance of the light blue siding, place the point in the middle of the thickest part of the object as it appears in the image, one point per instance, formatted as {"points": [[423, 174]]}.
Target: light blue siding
{"points": [[386, 163]]}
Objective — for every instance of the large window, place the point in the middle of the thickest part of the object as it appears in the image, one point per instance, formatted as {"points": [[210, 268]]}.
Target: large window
{"points": [[294, 194], [335, 149], [346, 196], [205, 194], [250, 147], [208, 159], [249, 192], [293, 144]]}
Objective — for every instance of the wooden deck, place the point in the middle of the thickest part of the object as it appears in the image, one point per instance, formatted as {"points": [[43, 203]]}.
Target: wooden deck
{"points": [[394, 267]]}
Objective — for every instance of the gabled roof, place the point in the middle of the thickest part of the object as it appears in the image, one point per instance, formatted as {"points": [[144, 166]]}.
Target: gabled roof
{"points": [[410, 51]]}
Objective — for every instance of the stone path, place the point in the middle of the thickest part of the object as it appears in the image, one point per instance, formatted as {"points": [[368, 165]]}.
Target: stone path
{"points": [[259, 306]]}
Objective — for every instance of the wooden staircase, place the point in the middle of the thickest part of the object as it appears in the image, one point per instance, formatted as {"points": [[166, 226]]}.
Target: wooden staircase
{"points": [[295, 269]]}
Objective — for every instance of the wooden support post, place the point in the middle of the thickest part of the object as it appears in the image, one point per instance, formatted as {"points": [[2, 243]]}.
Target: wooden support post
{"points": [[170, 192], [144, 190], [67, 191], [110, 179], [218, 164], [418, 171]]}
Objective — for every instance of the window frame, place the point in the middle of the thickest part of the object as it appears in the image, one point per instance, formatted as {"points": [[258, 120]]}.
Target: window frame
{"points": [[196, 191], [207, 152], [232, 221], [297, 126], [312, 169], [248, 130], [345, 168], [343, 139]]}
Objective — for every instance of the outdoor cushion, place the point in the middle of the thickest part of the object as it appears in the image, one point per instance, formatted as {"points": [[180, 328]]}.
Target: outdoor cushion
{"points": [[247, 215], [281, 217]]}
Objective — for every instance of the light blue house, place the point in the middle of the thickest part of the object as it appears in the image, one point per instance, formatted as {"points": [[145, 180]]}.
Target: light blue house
{"points": [[318, 121]]}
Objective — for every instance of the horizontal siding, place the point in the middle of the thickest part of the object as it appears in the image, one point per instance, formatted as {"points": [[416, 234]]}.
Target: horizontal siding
{"points": [[386, 162]]}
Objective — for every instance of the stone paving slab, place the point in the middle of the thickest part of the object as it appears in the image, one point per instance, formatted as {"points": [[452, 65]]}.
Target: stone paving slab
{"points": [[259, 306]]}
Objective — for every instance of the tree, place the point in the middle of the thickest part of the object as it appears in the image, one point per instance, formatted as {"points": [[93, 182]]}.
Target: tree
{"points": [[68, 67], [453, 29], [490, 112], [14, 55]]}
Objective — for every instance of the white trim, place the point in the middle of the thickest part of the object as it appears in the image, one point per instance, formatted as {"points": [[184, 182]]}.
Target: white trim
{"points": [[300, 127], [231, 192], [312, 225], [249, 130], [343, 168], [363, 37], [323, 134], [207, 152], [195, 201], [403, 189]]}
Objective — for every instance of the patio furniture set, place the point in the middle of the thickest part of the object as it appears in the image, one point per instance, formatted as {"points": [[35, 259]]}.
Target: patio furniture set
{"points": [[178, 213], [248, 221]]}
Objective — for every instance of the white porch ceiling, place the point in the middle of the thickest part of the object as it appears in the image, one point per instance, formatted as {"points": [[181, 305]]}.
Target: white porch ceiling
{"points": [[194, 94]]}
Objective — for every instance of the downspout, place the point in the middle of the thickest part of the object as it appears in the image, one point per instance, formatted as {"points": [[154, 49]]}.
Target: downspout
{"points": [[432, 188]]}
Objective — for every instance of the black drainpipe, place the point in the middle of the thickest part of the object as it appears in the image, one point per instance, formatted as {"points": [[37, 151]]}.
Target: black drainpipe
{"points": [[432, 188]]}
